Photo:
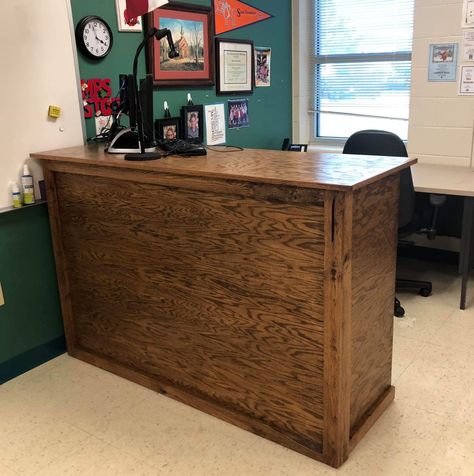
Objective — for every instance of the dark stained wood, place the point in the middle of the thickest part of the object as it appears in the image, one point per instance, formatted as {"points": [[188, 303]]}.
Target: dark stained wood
{"points": [[307, 169], [215, 294], [337, 329], [373, 288], [371, 416], [266, 301], [60, 257]]}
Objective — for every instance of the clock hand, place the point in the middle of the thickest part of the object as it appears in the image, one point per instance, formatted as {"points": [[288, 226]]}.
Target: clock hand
{"points": [[96, 37]]}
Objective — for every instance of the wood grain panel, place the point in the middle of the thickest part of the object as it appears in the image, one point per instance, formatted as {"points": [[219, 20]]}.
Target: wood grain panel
{"points": [[337, 330], [373, 292], [218, 295]]}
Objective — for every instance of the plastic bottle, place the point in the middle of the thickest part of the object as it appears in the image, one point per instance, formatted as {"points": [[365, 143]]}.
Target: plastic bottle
{"points": [[28, 186], [16, 195]]}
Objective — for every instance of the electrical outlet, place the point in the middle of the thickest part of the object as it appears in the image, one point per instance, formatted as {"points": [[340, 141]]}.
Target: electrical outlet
{"points": [[2, 300]]}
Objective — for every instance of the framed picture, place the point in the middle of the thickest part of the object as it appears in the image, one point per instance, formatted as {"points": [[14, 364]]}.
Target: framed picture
{"points": [[124, 23], [263, 58], [235, 66], [238, 113], [168, 129], [192, 29], [193, 123]]}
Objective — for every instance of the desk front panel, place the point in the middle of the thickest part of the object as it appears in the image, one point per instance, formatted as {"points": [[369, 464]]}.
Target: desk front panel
{"points": [[218, 294]]}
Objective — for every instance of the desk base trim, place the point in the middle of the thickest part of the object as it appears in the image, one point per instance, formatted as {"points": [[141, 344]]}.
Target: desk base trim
{"points": [[254, 426], [371, 417]]}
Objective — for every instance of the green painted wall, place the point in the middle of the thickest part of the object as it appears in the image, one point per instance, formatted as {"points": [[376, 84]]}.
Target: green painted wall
{"points": [[31, 316], [270, 108]]}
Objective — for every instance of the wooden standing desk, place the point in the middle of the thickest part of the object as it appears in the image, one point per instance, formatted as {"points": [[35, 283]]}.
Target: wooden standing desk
{"points": [[250, 285], [447, 180]]}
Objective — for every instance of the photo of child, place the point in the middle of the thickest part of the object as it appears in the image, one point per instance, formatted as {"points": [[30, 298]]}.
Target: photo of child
{"points": [[169, 132], [193, 125]]}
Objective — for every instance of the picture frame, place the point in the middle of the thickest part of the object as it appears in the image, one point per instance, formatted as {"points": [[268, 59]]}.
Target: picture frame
{"points": [[235, 71], [192, 27], [168, 128], [123, 25], [192, 120]]}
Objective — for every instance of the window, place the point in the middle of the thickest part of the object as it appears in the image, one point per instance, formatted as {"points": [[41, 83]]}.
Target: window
{"points": [[362, 65]]}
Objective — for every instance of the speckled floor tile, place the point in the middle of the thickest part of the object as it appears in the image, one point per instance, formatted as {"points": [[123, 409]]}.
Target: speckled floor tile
{"points": [[30, 441], [453, 454], [4, 471], [93, 457]]}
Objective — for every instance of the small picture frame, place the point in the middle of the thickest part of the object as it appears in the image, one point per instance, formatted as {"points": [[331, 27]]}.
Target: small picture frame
{"points": [[234, 66], [124, 23], [193, 123], [168, 129]]}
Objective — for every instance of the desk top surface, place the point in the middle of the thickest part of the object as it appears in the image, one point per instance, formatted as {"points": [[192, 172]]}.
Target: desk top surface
{"points": [[443, 179], [306, 169]]}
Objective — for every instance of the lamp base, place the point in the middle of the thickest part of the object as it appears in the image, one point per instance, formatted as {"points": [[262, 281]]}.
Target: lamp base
{"points": [[126, 142], [145, 156]]}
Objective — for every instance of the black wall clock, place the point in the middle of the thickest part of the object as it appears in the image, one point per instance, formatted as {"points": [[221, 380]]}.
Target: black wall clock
{"points": [[94, 37]]}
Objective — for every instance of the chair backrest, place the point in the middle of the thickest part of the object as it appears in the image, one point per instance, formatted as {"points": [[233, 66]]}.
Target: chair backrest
{"points": [[293, 147], [373, 142]]}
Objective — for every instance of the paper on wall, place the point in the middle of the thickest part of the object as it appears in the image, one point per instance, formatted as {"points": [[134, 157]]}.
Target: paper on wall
{"points": [[467, 14], [215, 124], [466, 82], [468, 45]]}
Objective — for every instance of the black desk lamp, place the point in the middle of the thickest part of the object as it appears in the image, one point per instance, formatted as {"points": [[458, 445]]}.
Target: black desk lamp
{"points": [[159, 35]]}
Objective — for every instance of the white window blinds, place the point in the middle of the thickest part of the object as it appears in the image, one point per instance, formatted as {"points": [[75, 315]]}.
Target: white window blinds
{"points": [[362, 65]]}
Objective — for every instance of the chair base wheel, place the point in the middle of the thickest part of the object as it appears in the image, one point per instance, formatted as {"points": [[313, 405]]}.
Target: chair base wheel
{"points": [[425, 292], [398, 310]]}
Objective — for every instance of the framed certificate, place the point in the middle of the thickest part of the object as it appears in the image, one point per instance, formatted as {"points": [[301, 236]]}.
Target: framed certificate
{"points": [[235, 66]]}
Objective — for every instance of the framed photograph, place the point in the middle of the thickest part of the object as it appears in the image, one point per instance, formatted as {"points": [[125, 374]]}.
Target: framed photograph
{"points": [[193, 123], [192, 29], [238, 113], [235, 66], [168, 129], [124, 23]]}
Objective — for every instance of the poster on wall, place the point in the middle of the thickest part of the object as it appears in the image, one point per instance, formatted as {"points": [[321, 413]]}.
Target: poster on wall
{"points": [[232, 14], [97, 97], [443, 62], [263, 57], [238, 113], [215, 124], [467, 14], [124, 22], [468, 45], [466, 81]]}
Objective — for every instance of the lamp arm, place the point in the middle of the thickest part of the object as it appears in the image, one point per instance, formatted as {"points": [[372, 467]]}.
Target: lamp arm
{"points": [[158, 34]]}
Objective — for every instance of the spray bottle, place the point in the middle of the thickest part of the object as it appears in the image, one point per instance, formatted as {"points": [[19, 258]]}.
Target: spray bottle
{"points": [[16, 195], [27, 186]]}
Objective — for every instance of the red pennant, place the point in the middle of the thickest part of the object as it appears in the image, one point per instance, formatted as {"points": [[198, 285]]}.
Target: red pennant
{"points": [[232, 14]]}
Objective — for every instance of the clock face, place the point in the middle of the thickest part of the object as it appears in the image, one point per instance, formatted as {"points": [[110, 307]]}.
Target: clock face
{"points": [[94, 37]]}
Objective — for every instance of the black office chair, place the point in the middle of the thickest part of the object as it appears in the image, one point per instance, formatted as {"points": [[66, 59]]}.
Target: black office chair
{"points": [[373, 142], [287, 145]]}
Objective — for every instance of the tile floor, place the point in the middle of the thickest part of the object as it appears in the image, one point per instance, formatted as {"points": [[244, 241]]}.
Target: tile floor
{"points": [[69, 418]]}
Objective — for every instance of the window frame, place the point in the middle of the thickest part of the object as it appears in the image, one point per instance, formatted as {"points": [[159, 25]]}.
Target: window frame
{"points": [[304, 29]]}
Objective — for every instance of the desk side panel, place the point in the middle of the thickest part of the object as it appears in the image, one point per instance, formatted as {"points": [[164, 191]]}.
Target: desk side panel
{"points": [[375, 221], [216, 294]]}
